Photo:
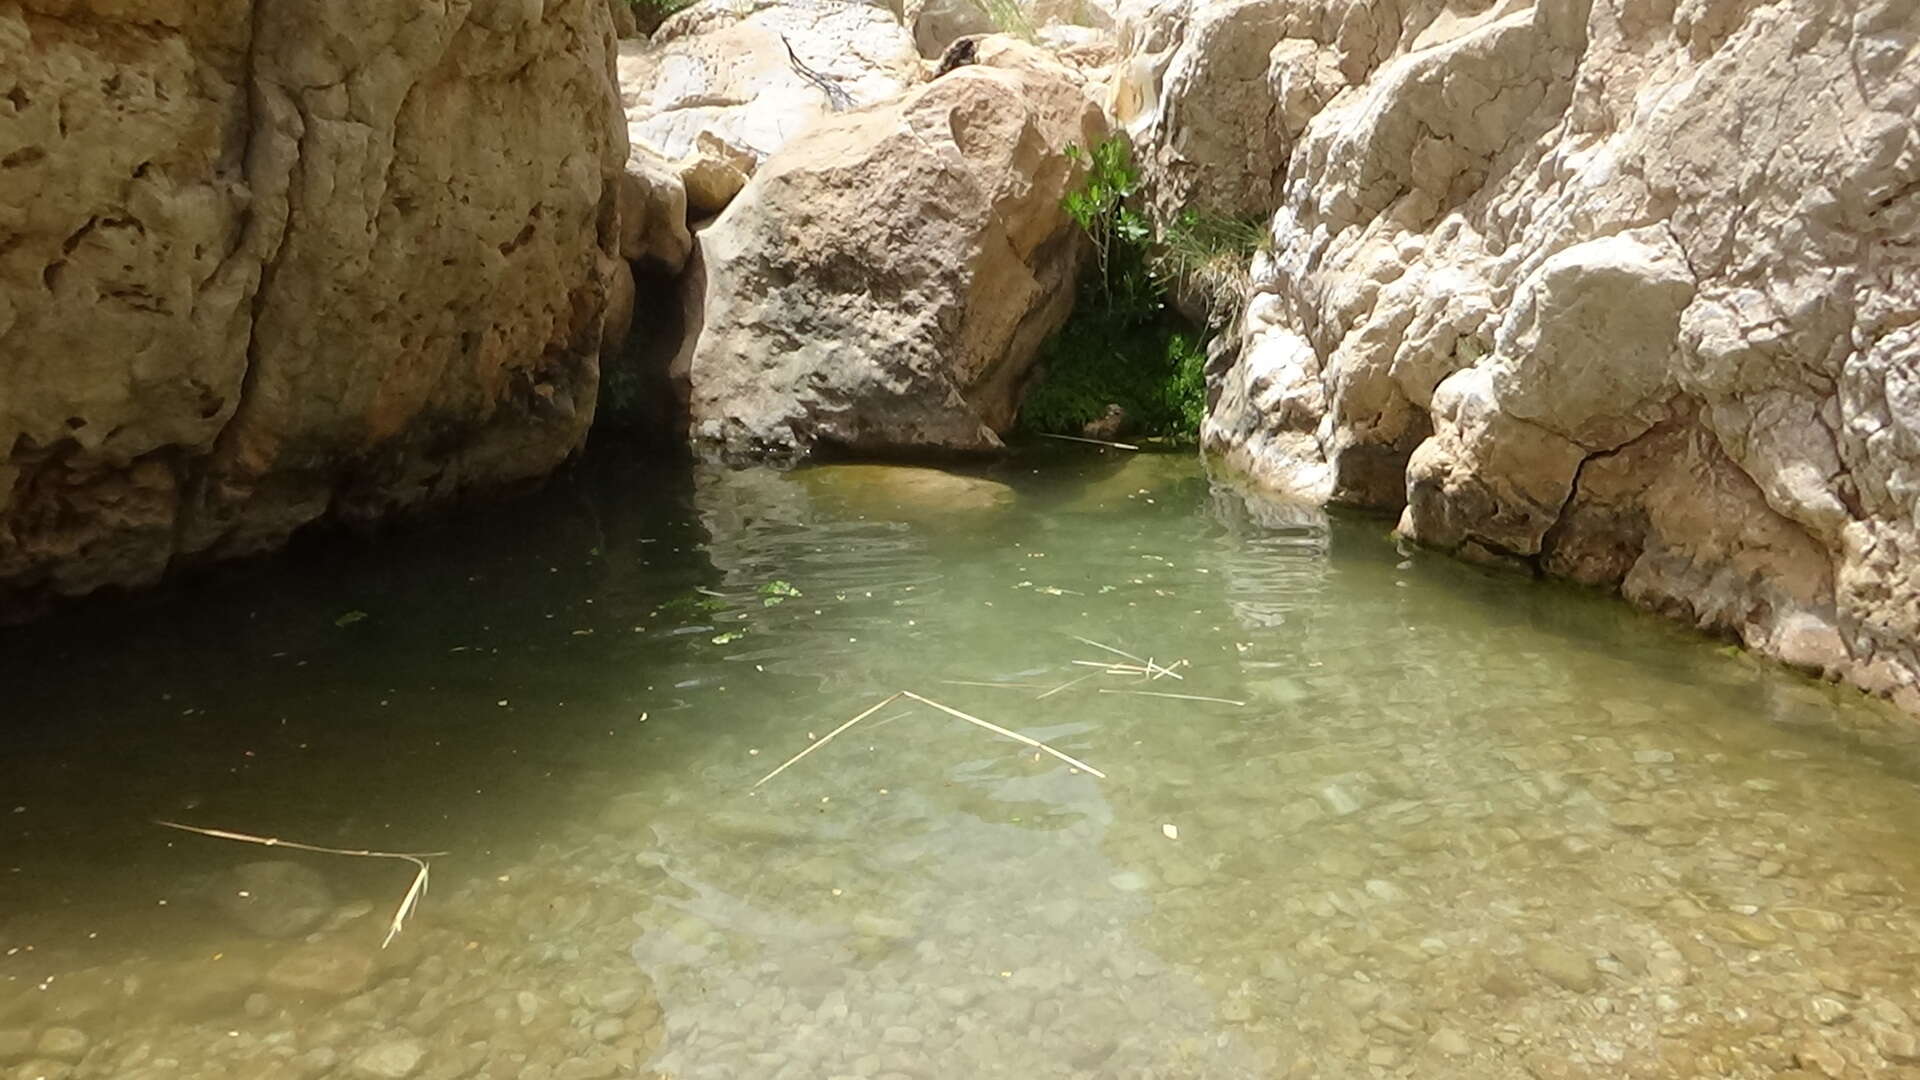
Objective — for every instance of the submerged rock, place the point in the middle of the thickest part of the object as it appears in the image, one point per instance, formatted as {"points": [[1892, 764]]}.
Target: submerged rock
{"points": [[390, 1061], [891, 491], [883, 283], [326, 969]]}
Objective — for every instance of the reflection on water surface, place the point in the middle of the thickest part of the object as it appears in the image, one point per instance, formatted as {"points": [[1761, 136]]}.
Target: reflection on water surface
{"points": [[1464, 825]]}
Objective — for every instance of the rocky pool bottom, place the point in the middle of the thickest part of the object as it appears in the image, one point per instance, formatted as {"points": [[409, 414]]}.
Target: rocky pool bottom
{"points": [[1463, 825]]}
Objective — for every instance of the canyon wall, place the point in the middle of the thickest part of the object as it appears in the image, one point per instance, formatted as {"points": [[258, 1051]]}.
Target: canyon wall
{"points": [[264, 263], [1625, 291]]}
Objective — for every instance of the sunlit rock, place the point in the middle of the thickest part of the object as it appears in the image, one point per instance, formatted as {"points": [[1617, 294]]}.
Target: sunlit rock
{"points": [[883, 284], [893, 491], [759, 73], [1542, 277], [264, 264]]}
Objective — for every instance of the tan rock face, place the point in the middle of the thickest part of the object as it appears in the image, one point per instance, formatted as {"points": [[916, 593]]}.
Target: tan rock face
{"points": [[1621, 291], [884, 282], [752, 73], [261, 264]]}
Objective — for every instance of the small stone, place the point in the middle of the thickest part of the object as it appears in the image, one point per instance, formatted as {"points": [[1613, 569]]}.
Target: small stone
{"points": [[607, 1031], [1450, 1042], [390, 1061], [1564, 966], [257, 1006], [1128, 881], [1752, 931], [43, 1070], [1399, 1021], [1896, 1045], [1826, 1010], [619, 1002], [326, 969], [63, 1044], [1810, 919], [901, 1036], [1821, 1059], [1381, 889], [1384, 1056], [1653, 757], [588, 1068], [1339, 801]]}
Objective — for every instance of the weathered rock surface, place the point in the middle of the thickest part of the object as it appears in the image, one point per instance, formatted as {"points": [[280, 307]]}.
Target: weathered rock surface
{"points": [[1623, 292], [263, 264], [1195, 92], [883, 283], [758, 73], [653, 212]]}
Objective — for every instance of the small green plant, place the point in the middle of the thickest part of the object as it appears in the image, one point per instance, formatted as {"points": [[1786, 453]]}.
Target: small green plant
{"points": [[651, 13], [1008, 17], [775, 593], [1120, 233], [1211, 255], [1124, 345]]}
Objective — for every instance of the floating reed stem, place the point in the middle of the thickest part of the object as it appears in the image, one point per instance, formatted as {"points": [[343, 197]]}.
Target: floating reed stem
{"points": [[1096, 442], [827, 738], [1065, 685], [950, 711], [1147, 667], [1176, 697], [408, 902], [1014, 735]]}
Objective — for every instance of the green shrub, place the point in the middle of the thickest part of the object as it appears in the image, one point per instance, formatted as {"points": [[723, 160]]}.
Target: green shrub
{"points": [[1124, 344], [651, 13], [1009, 17]]}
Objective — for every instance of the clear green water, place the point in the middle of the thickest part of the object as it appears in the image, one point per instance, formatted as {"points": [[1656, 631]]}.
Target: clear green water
{"points": [[1463, 826]]}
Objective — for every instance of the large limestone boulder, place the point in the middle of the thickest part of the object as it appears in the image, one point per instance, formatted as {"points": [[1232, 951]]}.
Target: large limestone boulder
{"points": [[883, 283], [1192, 90], [937, 24], [756, 73], [266, 263], [1622, 292]]}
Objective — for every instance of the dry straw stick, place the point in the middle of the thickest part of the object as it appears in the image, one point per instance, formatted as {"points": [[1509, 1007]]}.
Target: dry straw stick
{"points": [[1014, 735], [1176, 697], [828, 737], [1096, 442], [950, 711], [1065, 685], [1147, 667], [407, 903]]}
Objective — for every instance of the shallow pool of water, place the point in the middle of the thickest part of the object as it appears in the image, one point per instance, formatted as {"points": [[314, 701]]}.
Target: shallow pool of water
{"points": [[1438, 822]]}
